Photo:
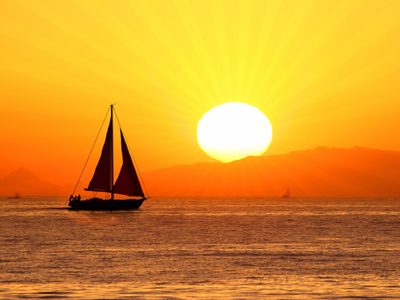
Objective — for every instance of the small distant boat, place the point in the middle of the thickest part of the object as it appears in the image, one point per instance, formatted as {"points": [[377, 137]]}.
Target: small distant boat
{"points": [[16, 196], [127, 183], [287, 194]]}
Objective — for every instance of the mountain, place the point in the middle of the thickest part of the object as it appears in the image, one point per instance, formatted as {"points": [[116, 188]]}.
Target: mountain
{"points": [[21, 175], [321, 172], [26, 183]]}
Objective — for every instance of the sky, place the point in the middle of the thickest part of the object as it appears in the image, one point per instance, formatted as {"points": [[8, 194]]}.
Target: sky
{"points": [[325, 73]]}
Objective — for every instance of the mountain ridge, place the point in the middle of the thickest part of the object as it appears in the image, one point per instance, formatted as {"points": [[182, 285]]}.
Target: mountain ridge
{"points": [[318, 172], [28, 184]]}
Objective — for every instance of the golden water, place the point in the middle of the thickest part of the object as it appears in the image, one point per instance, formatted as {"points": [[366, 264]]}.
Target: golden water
{"points": [[202, 249]]}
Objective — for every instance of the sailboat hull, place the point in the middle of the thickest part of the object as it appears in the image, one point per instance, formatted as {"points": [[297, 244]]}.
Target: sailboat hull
{"points": [[100, 204]]}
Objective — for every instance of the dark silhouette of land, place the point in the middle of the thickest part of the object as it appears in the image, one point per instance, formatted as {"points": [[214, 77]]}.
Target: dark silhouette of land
{"points": [[321, 172], [25, 182]]}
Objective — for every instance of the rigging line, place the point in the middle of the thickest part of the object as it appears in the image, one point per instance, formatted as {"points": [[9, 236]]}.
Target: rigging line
{"points": [[133, 158], [91, 151]]}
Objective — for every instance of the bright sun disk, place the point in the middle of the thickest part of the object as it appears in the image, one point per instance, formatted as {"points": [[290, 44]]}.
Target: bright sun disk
{"points": [[232, 131]]}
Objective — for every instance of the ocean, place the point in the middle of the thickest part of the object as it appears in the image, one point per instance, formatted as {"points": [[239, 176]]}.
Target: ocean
{"points": [[203, 248]]}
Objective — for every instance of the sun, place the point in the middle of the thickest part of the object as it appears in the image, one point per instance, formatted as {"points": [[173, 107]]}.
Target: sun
{"points": [[233, 130]]}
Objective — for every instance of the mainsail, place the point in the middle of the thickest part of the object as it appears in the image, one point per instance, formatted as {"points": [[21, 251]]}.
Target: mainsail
{"points": [[128, 181], [101, 181]]}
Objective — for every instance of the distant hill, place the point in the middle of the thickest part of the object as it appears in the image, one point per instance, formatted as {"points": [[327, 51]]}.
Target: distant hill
{"points": [[25, 182], [321, 172]]}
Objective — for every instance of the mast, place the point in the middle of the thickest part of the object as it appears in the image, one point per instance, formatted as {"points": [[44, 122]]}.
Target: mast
{"points": [[112, 155]]}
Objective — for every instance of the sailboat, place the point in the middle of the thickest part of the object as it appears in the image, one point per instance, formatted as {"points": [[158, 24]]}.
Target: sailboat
{"points": [[16, 196], [127, 183], [287, 194]]}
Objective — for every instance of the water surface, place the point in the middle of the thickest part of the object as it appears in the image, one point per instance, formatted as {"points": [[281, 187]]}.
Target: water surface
{"points": [[202, 248]]}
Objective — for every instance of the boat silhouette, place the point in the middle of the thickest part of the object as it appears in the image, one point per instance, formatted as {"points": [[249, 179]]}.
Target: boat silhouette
{"points": [[287, 194], [16, 196], [127, 183]]}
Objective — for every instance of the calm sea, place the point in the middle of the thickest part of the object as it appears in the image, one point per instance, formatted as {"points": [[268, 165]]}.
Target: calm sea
{"points": [[202, 249]]}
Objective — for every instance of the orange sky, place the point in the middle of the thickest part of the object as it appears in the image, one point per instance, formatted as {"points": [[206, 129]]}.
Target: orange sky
{"points": [[326, 73]]}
